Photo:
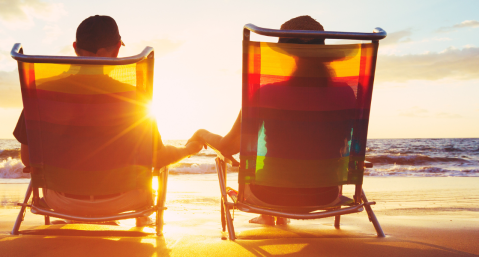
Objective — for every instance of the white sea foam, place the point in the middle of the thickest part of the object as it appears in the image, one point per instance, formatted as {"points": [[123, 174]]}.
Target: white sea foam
{"points": [[195, 168], [391, 157], [12, 168], [421, 171]]}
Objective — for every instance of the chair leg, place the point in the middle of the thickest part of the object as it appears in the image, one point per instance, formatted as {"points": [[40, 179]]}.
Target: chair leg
{"points": [[47, 220], [159, 222], [221, 169], [372, 216], [161, 199], [229, 223], [223, 216], [21, 214], [337, 219]]}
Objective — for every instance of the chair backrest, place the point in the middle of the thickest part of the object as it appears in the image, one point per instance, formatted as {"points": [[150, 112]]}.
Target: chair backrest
{"points": [[305, 112], [87, 122]]}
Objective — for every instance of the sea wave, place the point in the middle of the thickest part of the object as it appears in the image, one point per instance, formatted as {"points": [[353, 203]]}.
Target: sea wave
{"points": [[206, 154], [413, 159], [195, 168], [9, 153], [423, 171], [12, 168], [391, 157]]}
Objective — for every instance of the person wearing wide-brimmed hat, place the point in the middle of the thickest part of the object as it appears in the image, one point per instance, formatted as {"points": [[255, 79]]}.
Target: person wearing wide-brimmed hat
{"points": [[230, 144]]}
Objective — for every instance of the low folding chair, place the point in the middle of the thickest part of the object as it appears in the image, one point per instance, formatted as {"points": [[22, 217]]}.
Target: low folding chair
{"points": [[305, 114], [89, 132]]}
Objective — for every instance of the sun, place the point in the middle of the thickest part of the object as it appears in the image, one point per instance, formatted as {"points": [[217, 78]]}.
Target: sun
{"points": [[153, 110]]}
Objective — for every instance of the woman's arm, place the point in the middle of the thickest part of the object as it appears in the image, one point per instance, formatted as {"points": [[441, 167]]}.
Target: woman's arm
{"points": [[229, 144]]}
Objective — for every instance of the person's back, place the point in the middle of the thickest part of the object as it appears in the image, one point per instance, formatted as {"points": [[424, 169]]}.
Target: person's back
{"points": [[300, 136], [97, 36], [282, 139]]}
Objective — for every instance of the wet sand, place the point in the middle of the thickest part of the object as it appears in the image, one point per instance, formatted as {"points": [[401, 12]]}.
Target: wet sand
{"points": [[430, 216]]}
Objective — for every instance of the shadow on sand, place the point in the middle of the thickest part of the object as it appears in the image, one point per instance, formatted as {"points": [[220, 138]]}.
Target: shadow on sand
{"points": [[100, 240]]}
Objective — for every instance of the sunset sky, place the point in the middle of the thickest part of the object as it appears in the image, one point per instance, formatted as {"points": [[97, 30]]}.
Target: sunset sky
{"points": [[427, 77]]}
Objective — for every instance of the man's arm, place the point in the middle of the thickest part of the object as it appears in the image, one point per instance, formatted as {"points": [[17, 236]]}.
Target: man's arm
{"points": [[168, 154], [24, 155], [20, 133], [229, 144]]}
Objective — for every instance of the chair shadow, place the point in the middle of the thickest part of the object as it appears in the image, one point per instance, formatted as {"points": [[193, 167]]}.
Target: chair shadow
{"points": [[300, 241], [84, 240], [372, 247]]}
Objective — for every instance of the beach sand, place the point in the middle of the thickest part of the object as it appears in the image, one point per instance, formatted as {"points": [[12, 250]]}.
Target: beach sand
{"points": [[421, 216]]}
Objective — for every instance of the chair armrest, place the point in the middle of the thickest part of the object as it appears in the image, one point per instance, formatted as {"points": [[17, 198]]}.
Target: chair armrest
{"points": [[368, 164], [226, 158]]}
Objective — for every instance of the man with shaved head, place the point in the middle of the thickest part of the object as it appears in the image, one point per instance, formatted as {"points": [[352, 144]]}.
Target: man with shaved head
{"points": [[98, 36]]}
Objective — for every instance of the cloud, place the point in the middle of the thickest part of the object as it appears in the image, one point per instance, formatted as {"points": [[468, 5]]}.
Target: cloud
{"points": [[6, 62], [447, 115], [414, 111], [19, 14], [10, 95], [451, 63], [418, 112], [468, 23], [394, 38], [464, 24]]}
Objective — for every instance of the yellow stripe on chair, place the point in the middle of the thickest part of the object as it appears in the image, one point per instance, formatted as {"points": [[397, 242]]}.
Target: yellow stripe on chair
{"points": [[98, 76]]}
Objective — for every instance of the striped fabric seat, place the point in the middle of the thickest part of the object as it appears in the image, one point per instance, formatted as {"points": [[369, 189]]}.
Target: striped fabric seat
{"points": [[88, 127], [304, 125], [305, 114]]}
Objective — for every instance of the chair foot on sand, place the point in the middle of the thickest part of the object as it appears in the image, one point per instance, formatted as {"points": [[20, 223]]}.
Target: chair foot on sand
{"points": [[21, 214], [372, 216], [337, 220]]}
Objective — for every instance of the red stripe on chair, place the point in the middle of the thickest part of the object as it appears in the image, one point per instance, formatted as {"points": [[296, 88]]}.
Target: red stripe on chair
{"points": [[304, 98]]}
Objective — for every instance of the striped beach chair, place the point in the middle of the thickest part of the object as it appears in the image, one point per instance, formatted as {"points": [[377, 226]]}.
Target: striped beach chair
{"points": [[305, 114], [89, 132]]}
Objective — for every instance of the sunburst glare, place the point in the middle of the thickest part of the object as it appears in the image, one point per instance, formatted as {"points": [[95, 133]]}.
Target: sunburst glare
{"points": [[154, 184], [152, 110]]}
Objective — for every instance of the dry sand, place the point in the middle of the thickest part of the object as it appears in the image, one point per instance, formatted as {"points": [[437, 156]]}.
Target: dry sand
{"points": [[420, 216]]}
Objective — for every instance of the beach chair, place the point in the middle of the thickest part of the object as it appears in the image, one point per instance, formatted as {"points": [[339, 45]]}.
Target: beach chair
{"points": [[89, 132], [305, 114]]}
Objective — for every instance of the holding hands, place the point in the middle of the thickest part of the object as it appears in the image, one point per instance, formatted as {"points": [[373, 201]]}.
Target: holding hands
{"points": [[193, 147], [198, 137]]}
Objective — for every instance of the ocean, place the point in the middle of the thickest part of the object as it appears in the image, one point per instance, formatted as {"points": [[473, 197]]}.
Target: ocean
{"points": [[445, 157]]}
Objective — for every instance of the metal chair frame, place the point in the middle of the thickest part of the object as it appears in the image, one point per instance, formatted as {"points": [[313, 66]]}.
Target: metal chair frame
{"points": [[360, 200], [162, 174]]}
